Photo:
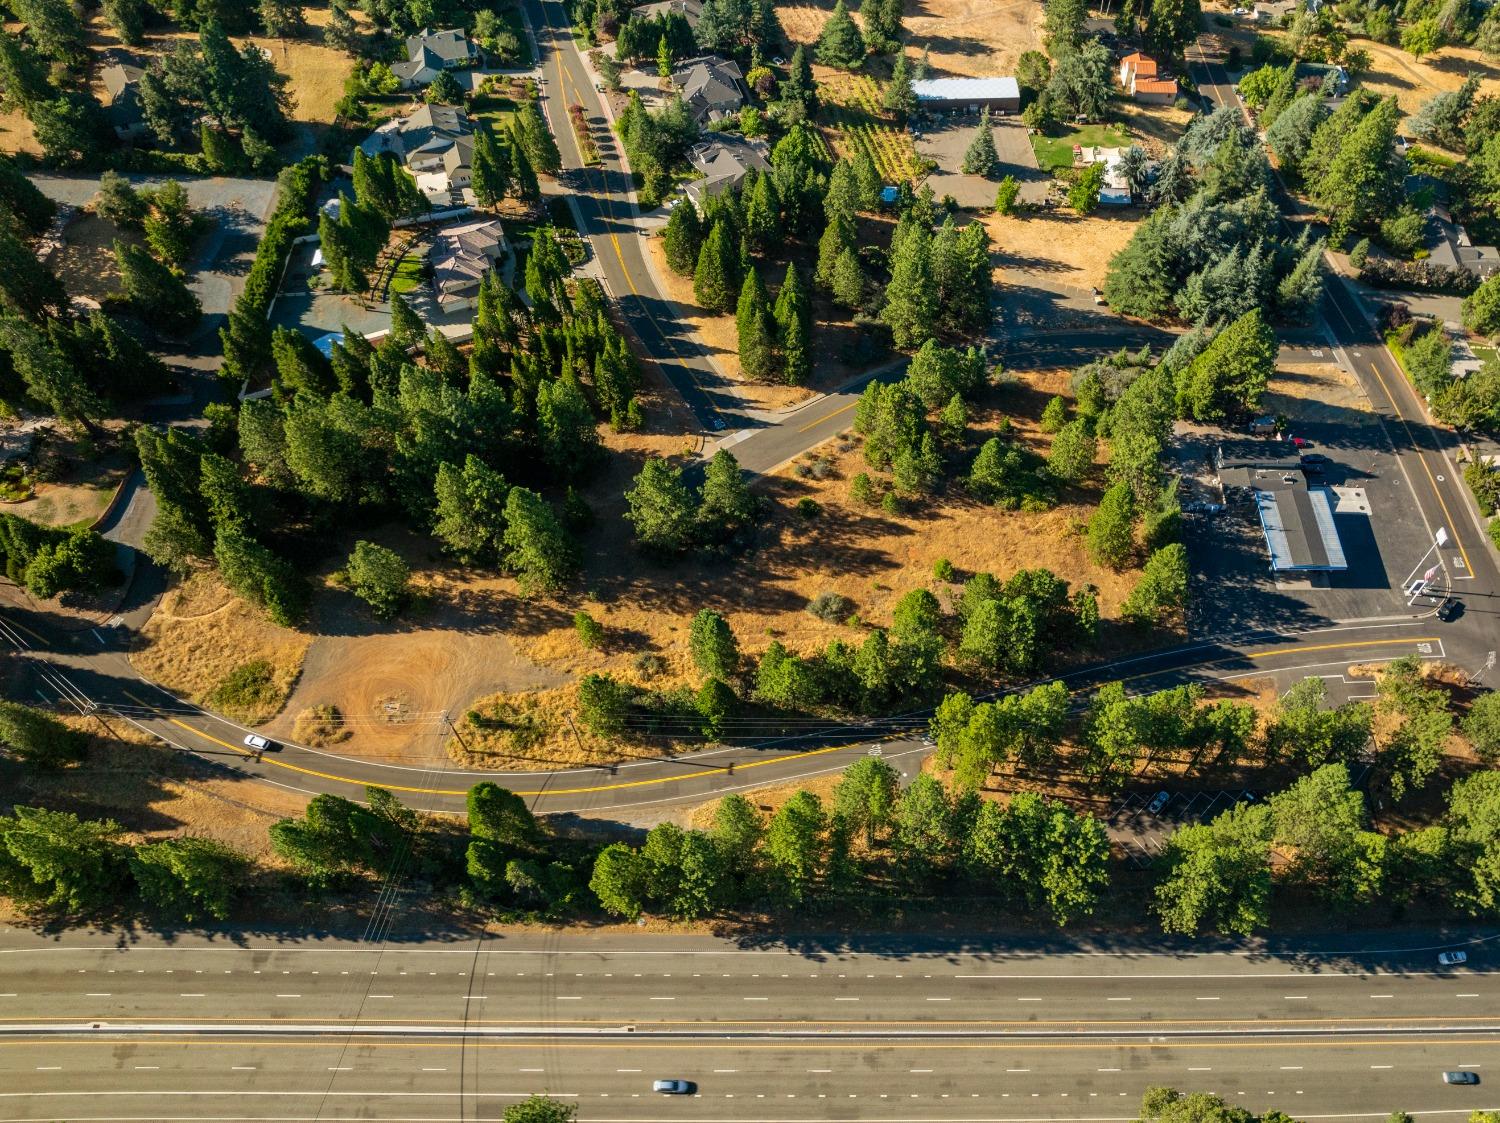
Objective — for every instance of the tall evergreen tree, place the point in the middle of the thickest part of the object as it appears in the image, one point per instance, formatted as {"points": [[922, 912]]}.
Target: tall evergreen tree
{"points": [[682, 240], [910, 308], [980, 157], [716, 278], [757, 337], [840, 42]]}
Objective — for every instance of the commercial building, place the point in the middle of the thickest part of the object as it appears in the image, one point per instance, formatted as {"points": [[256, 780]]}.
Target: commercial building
{"points": [[968, 95]]}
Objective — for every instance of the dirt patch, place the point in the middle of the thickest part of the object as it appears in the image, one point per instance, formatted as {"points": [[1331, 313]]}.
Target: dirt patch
{"points": [[976, 38], [85, 260], [201, 633], [1394, 73], [17, 135], [74, 477], [1058, 248], [1311, 391], [768, 799], [1156, 128], [321, 726]]}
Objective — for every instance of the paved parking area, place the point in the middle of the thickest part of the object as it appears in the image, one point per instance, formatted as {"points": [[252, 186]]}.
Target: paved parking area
{"points": [[945, 141], [1142, 833]]}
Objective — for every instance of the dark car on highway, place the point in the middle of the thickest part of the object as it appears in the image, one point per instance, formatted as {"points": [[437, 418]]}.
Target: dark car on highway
{"points": [[1460, 1078]]}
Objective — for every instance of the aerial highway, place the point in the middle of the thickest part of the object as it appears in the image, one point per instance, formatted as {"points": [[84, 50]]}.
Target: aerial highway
{"points": [[96, 1025]]}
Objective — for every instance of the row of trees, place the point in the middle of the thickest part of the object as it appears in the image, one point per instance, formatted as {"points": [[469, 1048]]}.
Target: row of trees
{"points": [[873, 841]]}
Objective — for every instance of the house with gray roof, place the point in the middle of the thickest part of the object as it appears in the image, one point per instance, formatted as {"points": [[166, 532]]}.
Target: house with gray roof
{"points": [[460, 257], [433, 142], [1449, 244], [713, 87], [724, 159], [429, 52], [122, 107], [690, 10]]}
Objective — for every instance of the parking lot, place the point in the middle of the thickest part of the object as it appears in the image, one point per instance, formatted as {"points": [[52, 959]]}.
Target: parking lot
{"points": [[1142, 833]]}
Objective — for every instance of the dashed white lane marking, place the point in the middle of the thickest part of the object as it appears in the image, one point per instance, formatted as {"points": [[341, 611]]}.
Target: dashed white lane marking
{"points": [[434, 1070], [1106, 1070], [570, 998], [339, 1068], [1208, 998], [663, 998], [820, 1070], [532, 1070], [288, 996], [1382, 996], [198, 994], [1467, 996], [1293, 997], [49, 1068], [148, 1068], [757, 1000], [1291, 1068], [381, 996], [717, 1070], [1200, 1069], [1382, 1066], [627, 1070], [241, 1068], [846, 1000], [1117, 1000], [940, 1000], [97, 994]]}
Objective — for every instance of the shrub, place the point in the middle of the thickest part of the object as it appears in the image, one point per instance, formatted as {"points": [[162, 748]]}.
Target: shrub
{"points": [[648, 664], [1484, 482], [1360, 253], [324, 725], [808, 507], [830, 607], [590, 631], [942, 570], [1424, 276], [248, 688], [862, 489]]}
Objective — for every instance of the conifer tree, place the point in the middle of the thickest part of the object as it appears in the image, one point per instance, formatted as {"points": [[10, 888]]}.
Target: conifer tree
{"points": [[849, 280], [537, 140], [715, 280], [838, 236], [682, 240], [910, 308], [980, 157], [756, 334], [489, 169], [869, 179], [840, 43], [726, 505], [661, 508]]}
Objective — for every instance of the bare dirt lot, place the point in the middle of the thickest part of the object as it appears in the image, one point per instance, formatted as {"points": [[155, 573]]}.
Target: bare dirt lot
{"points": [[86, 258], [1057, 247], [975, 38]]}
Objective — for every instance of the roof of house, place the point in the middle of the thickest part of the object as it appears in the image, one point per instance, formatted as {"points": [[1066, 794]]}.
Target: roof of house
{"points": [[1155, 86], [1449, 244], [462, 255], [711, 85], [448, 45], [1143, 65], [117, 79], [724, 159], [428, 128], [965, 89], [691, 10]]}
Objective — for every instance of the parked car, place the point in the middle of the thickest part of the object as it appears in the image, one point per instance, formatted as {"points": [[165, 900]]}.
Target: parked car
{"points": [[1158, 801], [1460, 1078], [673, 1087], [1301, 442], [1453, 958], [1315, 459], [1447, 612]]}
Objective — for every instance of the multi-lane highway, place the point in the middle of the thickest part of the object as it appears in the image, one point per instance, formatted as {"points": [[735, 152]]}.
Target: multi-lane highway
{"points": [[93, 1027]]}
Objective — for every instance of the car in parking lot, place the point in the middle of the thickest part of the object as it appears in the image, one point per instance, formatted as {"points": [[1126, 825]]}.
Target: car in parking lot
{"points": [[1158, 801], [1460, 1078], [1448, 611], [1453, 958], [673, 1087]]}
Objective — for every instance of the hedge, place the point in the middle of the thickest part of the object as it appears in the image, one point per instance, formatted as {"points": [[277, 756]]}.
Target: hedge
{"points": [[1421, 276], [297, 188]]}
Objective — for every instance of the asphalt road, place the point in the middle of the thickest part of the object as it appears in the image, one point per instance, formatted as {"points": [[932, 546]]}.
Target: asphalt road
{"points": [[1422, 449], [94, 1026]]}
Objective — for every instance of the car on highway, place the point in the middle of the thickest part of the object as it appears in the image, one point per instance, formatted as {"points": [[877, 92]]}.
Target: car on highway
{"points": [[1453, 958], [1158, 801], [1460, 1078], [260, 744], [673, 1087]]}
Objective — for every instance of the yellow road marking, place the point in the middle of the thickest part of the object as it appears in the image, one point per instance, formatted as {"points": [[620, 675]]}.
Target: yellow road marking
{"points": [[546, 792], [1337, 646], [717, 771], [828, 417]]}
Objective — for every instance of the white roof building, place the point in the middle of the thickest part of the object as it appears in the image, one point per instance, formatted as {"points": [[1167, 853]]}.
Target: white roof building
{"points": [[955, 93]]}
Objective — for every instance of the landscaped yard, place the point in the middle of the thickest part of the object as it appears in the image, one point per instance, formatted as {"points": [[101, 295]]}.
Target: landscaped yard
{"points": [[1056, 152], [408, 274]]}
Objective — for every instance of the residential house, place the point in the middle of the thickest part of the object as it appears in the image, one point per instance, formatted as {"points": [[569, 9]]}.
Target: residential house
{"points": [[1448, 244], [968, 95], [430, 52], [1274, 12], [713, 87], [724, 159], [1116, 189], [433, 142], [123, 108], [1144, 81], [460, 257], [690, 10]]}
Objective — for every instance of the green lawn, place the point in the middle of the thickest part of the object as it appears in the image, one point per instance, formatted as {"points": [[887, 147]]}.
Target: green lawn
{"points": [[408, 275], [1054, 152], [1486, 354]]}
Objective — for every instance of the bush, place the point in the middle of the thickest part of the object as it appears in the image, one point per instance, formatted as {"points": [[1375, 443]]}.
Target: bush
{"points": [[942, 570], [249, 687], [1422, 276], [590, 631], [808, 507], [830, 607], [862, 489], [1484, 482], [1360, 253]]}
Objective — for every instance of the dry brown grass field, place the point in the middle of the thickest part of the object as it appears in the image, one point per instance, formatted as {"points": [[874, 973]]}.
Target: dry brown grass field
{"points": [[1411, 81], [972, 38], [1058, 246], [201, 632]]}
